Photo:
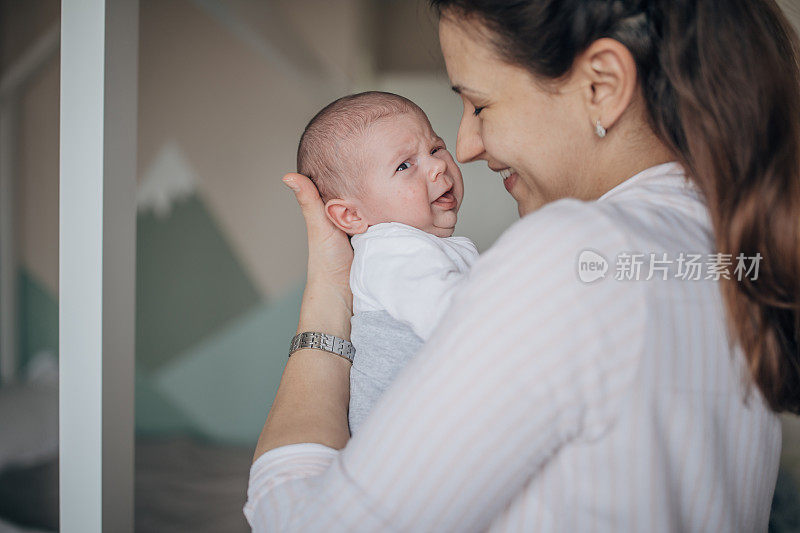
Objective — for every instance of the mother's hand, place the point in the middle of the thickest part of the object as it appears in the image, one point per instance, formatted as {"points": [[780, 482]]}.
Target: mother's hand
{"points": [[329, 252]]}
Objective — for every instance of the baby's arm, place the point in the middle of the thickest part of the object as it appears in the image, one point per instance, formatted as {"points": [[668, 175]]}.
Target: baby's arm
{"points": [[411, 278]]}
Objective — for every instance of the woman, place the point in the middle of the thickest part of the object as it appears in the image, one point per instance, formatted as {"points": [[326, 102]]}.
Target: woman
{"points": [[544, 402]]}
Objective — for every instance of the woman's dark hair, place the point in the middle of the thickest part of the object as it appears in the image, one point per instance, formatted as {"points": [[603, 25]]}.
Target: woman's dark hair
{"points": [[722, 89]]}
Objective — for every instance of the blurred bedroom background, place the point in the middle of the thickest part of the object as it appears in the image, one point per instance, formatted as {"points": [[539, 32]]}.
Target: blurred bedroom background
{"points": [[225, 89]]}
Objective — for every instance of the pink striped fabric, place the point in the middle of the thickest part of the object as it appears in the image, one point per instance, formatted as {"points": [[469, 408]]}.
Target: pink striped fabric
{"points": [[544, 403]]}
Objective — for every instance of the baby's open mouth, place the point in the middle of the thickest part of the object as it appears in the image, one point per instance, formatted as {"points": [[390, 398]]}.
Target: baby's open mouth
{"points": [[447, 200]]}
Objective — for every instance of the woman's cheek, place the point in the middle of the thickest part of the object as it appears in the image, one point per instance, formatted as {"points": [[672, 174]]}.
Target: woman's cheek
{"points": [[489, 140]]}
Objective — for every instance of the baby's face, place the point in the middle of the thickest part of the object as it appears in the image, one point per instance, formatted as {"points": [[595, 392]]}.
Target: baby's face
{"points": [[410, 176]]}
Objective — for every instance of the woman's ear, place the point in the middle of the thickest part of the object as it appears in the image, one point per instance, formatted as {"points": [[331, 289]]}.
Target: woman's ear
{"points": [[611, 72], [345, 216]]}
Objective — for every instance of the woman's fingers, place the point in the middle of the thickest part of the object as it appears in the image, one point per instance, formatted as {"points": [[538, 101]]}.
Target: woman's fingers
{"points": [[329, 250], [310, 203]]}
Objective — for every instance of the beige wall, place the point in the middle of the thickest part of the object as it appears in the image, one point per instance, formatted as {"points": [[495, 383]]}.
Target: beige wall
{"points": [[233, 114], [21, 23], [37, 188], [792, 10], [237, 119]]}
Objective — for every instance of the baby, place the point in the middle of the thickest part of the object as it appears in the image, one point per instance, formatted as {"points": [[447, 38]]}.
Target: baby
{"points": [[388, 181]]}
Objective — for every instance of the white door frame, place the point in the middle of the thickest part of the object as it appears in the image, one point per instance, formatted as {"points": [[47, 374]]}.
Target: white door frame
{"points": [[97, 242]]}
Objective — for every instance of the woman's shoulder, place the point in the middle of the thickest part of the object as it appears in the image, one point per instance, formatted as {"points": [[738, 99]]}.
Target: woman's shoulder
{"points": [[567, 244], [568, 250], [667, 215], [563, 222], [625, 250]]}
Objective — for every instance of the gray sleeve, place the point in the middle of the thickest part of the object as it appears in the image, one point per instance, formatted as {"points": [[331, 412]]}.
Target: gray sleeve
{"points": [[384, 346]]}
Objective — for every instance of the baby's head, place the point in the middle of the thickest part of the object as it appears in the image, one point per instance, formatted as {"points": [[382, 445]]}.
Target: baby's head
{"points": [[375, 158]]}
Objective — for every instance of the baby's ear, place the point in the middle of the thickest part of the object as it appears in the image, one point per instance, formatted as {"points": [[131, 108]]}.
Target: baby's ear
{"points": [[345, 216]]}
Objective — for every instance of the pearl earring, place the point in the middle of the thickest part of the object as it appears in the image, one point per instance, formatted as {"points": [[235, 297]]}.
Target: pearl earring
{"points": [[599, 129]]}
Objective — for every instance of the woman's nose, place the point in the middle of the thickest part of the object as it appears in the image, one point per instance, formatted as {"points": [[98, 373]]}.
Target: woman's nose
{"points": [[469, 145]]}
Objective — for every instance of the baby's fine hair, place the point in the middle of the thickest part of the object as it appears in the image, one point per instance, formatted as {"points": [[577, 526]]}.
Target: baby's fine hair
{"points": [[324, 155]]}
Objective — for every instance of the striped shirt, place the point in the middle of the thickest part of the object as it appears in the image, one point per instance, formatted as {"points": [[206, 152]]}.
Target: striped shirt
{"points": [[547, 402]]}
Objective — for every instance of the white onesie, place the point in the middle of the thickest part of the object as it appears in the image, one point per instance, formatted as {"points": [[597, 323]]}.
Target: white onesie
{"points": [[402, 280]]}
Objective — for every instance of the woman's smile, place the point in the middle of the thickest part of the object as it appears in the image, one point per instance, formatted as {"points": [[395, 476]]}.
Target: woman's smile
{"points": [[509, 177]]}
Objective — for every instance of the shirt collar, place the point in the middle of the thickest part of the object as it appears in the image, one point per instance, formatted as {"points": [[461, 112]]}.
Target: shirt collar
{"points": [[672, 170]]}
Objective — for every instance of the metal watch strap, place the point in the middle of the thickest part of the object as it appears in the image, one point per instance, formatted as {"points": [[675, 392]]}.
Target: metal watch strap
{"points": [[322, 341]]}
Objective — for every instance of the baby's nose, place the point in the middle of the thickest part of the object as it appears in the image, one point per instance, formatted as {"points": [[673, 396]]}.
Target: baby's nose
{"points": [[437, 168]]}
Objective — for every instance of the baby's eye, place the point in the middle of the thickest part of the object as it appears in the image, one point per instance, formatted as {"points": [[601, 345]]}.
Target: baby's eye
{"points": [[478, 111], [403, 166]]}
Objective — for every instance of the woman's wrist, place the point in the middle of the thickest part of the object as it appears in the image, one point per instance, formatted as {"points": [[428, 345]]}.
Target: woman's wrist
{"points": [[326, 308], [311, 403]]}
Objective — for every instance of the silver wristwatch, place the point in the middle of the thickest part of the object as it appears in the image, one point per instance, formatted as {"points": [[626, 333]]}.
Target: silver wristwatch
{"points": [[322, 341]]}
